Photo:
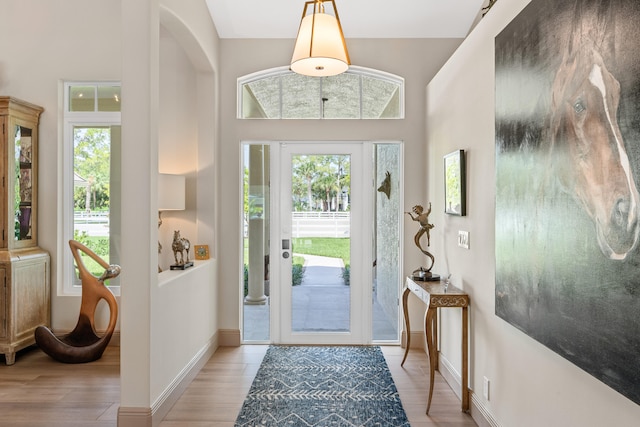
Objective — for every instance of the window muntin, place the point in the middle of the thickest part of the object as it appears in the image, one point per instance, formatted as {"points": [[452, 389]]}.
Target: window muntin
{"points": [[359, 93]]}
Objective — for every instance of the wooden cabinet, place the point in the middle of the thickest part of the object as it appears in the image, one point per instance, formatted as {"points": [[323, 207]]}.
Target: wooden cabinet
{"points": [[24, 267]]}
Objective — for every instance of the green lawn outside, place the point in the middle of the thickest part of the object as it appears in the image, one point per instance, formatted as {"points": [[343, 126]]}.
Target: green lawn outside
{"points": [[324, 246], [98, 245]]}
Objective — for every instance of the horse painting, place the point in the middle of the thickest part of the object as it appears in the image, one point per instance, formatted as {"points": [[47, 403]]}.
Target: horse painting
{"points": [[567, 162], [584, 125]]}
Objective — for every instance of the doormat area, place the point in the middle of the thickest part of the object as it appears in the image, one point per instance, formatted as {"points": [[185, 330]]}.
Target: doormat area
{"points": [[323, 386]]}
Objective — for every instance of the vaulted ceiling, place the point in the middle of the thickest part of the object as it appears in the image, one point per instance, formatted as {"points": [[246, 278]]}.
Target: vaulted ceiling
{"points": [[360, 18]]}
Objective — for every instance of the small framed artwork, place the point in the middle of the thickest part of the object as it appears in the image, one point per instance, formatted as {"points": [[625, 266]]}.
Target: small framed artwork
{"points": [[454, 183], [202, 252]]}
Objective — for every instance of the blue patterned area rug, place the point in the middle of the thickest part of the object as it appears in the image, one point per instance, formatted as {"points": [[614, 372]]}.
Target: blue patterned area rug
{"points": [[322, 386]]}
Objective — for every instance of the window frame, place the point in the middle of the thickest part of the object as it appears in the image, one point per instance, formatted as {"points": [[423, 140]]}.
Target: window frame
{"points": [[355, 70], [71, 119]]}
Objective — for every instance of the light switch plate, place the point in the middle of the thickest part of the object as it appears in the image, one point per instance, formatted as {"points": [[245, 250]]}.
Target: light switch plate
{"points": [[463, 239]]}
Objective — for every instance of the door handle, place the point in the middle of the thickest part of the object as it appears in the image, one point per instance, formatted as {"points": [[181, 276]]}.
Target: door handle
{"points": [[285, 255]]}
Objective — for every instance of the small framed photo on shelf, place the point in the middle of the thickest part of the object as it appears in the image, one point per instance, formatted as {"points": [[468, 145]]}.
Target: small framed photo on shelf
{"points": [[454, 183], [202, 252]]}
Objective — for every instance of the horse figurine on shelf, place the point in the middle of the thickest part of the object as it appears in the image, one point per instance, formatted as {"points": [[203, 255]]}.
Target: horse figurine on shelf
{"points": [[179, 246]]}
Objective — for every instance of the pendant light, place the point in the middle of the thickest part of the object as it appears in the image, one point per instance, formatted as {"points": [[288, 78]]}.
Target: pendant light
{"points": [[320, 48]]}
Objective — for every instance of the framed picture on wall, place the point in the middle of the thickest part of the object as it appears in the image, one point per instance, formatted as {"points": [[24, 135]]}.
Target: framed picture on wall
{"points": [[454, 184], [202, 252]]}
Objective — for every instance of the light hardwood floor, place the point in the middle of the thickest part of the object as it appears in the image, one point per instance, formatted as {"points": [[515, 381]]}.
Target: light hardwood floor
{"points": [[38, 392]]}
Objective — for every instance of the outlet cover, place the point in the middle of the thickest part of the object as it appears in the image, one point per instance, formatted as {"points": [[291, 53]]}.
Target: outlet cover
{"points": [[463, 239], [485, 387]]}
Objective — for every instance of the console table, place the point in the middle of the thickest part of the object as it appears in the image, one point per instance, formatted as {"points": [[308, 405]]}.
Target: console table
{"points": [[437, 295]]}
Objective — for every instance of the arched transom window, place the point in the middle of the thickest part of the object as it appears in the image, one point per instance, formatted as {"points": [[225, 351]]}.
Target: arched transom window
{"points": [[360, 93]]}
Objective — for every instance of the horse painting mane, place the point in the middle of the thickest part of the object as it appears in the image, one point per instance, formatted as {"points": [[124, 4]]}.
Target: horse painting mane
{"points": [[586, 143]]}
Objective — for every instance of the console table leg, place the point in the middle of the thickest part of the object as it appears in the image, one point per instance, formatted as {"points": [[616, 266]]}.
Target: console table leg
{"points": [[465, 359], [432, 348], [407, 328], [434, 329]]}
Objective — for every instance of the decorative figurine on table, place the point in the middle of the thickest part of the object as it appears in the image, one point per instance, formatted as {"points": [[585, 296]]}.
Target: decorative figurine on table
{"points": [[179, 246], [422, 218]]}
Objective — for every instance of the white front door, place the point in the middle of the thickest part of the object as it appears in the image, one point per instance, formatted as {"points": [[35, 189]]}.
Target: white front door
{"points": [[321, 288]]}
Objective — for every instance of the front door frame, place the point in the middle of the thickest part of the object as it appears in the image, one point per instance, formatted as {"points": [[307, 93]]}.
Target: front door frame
{"points": [[362, 256]]}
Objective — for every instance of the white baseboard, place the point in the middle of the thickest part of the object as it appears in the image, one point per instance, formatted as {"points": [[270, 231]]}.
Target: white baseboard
{"points": [[115, 339], [479, 412], [151, 417], [134, 417], [229, 337], [450, 375], [417, 340]]}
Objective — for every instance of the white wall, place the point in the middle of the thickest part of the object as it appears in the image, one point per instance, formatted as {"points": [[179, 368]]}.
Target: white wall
{"points": [[530, 384], [169, 124], [415, 60]]}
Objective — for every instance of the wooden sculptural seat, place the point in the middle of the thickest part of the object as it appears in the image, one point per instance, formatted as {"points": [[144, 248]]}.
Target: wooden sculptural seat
{"points": [[83, 344]]}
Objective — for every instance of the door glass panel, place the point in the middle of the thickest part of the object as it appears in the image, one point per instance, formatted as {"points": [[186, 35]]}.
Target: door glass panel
{"points": [[320, 231], [256, 285], [386, 272]]}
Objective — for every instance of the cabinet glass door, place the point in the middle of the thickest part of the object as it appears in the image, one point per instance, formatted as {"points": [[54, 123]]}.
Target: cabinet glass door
{"points": [[23, 183]]}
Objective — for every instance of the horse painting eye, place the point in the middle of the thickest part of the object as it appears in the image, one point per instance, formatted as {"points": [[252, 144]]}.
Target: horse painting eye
{"points": [[579, 106]]}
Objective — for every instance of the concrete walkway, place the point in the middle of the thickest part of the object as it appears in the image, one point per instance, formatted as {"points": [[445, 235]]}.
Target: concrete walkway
{"points": [[322, 271], [319, 304]]}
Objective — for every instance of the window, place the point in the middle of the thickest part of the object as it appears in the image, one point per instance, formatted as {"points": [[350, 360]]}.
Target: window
{"points": [[91, 174], [359, 93]]}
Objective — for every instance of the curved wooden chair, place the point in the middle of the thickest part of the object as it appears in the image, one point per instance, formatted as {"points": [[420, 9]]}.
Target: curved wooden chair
{"points": [[82, 344]]}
